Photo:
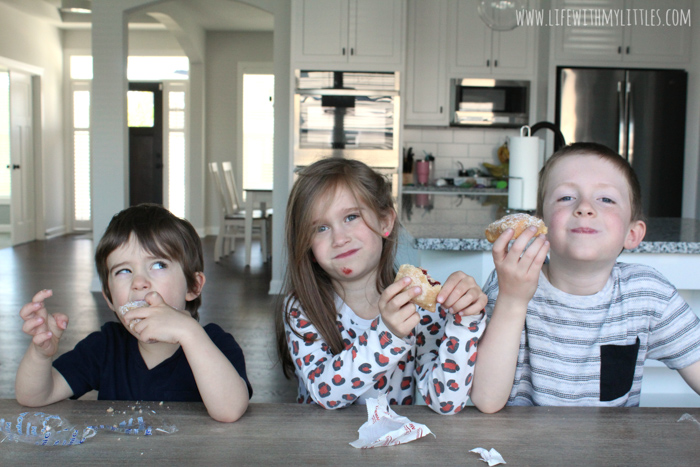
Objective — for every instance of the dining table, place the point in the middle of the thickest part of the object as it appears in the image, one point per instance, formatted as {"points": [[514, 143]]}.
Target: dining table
{"points": [[253, 199], [302, 434]]}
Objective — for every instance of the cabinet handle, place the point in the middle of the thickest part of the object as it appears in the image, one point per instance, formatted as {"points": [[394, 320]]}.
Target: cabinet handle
{"points": [[440, 109], [619, 49], [352, 51], [628, 50], [495, 63], [488, 62], [343, 50]]}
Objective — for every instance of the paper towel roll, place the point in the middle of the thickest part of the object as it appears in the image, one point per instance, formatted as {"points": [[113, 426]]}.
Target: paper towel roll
{"points": [[522, 171]]}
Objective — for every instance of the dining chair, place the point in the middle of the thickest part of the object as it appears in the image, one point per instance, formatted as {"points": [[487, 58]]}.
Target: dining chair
{"points": [[259, 211], [232, 220]]}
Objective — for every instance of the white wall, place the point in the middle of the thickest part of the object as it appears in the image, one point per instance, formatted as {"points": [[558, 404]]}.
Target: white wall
{"points": [[224, 50], [26, 40]]}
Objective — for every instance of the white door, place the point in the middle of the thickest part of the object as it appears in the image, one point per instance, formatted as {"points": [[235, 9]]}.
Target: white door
{"points": [[22, 215]]}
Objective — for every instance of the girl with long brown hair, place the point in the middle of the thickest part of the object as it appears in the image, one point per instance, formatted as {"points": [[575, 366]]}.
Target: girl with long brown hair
{"points": [[346, 330]]}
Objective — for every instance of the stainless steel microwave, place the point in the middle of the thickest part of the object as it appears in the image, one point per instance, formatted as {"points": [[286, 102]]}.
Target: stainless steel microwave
{"points": [[489, 102]]}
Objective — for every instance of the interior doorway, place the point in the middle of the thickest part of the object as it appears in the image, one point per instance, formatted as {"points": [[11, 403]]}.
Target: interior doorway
{"points": [[21, 163], [145, 120]]}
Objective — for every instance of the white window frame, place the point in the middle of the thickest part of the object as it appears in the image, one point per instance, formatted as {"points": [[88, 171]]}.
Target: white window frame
{"points": [[175, 86]]}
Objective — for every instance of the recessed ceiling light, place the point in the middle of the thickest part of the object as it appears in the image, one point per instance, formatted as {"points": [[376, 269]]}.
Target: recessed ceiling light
{"points": [[76, 6]]}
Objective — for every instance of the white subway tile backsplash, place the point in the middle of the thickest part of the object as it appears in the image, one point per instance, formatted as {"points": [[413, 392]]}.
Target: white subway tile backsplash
{"points": [[468, 135], [485, 152], [498, 137], [437, 136], [452, 150], [412, 134]]}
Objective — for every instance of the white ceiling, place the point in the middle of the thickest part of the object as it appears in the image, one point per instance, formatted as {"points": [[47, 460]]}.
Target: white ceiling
{"points": [[212, 15]]}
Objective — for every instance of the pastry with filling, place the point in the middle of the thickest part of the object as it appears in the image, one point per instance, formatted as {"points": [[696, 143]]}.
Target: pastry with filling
{"points": [[518, 222], [429, 287]]}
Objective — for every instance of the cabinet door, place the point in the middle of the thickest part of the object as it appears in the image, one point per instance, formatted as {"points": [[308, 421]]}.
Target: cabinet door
{"points": [[321, 30], [513, 51], [376, 31], [426, 82], [598, 39], [470, 44], [653, 40]]}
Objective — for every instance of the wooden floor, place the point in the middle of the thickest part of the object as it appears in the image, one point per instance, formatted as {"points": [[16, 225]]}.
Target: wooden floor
{"points": [[234, 297]]}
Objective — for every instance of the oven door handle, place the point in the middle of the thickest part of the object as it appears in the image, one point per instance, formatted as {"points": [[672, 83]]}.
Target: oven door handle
{"points": [[345, 92]]}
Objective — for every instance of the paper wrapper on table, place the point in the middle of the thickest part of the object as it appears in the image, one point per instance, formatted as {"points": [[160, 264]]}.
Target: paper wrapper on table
{"points": [[385, 427], [523, 169], [491, 457]]}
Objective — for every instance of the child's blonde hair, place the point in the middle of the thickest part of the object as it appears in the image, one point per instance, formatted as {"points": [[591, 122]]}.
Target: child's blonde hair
{"points": [[306, 282], [605, 153]]}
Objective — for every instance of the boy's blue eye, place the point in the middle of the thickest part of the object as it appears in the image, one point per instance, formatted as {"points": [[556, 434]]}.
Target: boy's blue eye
{"points": [[566, 198], [159, 265], [122, 271], [607, 200]]}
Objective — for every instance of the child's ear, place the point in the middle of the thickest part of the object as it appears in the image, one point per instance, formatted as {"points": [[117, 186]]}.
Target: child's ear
{"points": [[109, 303], [635, 235], [197, 289], [386, 223]]}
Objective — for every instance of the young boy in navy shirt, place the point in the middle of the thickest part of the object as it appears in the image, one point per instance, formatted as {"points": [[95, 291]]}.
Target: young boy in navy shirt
{"points": [[156, 352]]}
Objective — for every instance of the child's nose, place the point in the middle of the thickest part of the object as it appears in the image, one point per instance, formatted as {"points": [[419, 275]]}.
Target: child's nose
{"points": [[585, 209], [340, 237], [140, 282]]}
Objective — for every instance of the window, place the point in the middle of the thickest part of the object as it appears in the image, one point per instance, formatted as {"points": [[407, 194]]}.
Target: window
{"points": [[258, 130], [175, 147], [81, 156]]}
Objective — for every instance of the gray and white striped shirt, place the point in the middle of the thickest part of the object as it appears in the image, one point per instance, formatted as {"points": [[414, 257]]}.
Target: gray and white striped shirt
{"points": [[590, 350]]}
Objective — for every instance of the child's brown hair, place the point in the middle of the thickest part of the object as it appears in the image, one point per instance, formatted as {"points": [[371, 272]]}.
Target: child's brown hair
{"points": [[604, 152], [306, 282], [160, 233]]}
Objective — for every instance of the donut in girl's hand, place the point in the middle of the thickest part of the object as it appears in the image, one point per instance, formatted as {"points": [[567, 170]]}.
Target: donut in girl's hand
{"points": [[518, 222], [429, 287]]}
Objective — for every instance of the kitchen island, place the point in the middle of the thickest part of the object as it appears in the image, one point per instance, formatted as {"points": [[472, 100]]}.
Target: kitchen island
{"points": [[444, 232]]}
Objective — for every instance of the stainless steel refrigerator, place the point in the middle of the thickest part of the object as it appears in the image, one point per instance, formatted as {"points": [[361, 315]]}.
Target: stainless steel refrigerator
{"points": [[638, 113]]}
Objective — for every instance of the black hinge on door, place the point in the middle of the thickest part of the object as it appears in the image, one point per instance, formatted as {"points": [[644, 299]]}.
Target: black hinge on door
{"points": [[14, 166]]}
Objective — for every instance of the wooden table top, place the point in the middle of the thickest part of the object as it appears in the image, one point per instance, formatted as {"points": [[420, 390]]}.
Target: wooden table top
{"points": [[292, 434]]}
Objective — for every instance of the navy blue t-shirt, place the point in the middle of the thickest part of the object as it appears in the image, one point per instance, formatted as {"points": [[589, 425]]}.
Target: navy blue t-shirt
{"points": [[110, 362]]}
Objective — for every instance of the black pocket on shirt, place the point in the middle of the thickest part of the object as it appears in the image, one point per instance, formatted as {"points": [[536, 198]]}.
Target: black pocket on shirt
{"points": [[617, 365]]}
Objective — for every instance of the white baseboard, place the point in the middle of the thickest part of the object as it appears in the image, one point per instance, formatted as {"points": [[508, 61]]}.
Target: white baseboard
{"points": [[275, 287], [54, 232]]}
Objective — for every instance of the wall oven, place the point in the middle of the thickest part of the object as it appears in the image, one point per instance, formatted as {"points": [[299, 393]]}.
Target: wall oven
{"points": [[347, 114]]}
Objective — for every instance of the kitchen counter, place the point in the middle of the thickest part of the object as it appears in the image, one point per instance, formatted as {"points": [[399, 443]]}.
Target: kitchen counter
{"points": [[447, 223]]}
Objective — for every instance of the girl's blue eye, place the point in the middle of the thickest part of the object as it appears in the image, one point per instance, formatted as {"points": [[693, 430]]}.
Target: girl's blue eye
{"points": [[565, 198], [321, 228], [351, 217], [607, 200]]}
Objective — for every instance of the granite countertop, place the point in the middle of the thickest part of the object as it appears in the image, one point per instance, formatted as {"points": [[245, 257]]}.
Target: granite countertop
{"points": [[458, 222], [454, 190]]}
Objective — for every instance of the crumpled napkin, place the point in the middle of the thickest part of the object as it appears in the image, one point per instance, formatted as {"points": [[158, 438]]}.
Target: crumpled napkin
{"points": [[492, 457], [384, 427]]}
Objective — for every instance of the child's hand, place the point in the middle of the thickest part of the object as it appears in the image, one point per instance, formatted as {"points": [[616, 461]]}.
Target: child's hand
{"points": [[398, 313], [519, 268], [159, 321], [461, 294], [46, 330]]}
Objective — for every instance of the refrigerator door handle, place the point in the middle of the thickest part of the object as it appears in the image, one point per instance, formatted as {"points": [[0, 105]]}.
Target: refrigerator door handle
{"points": [[621, 119]]}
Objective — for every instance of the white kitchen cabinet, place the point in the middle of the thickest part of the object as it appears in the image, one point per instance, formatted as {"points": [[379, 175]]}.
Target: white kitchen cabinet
{"points": [[632, 31], [426, 96], [347, 31], [473, 47]]}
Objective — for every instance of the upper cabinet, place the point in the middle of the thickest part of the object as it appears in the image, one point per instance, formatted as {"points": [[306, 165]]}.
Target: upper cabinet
{"points": [[348, 32], [635, 31], [478, 49], [426, 79]]}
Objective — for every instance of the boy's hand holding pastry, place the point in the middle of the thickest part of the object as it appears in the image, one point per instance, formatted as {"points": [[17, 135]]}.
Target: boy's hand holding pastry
{"points": [[46, 330], [519, 268], [156, 321]]}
